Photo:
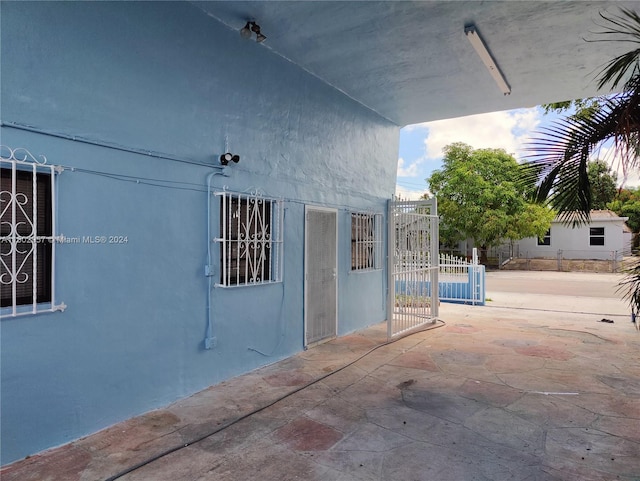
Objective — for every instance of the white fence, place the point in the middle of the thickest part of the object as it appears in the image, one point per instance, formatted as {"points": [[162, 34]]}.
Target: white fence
{"points": [[566, 260], [461, 281]]}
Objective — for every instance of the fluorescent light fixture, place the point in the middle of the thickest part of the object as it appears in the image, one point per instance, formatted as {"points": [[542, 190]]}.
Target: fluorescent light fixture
{"points": [[487, 59]]}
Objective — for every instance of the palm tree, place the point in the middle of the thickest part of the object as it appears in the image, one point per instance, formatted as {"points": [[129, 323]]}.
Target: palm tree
{"points": [[559, 156]]}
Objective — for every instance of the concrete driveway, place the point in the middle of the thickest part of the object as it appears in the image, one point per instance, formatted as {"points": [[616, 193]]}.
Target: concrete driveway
{"points": [[532, 386]]}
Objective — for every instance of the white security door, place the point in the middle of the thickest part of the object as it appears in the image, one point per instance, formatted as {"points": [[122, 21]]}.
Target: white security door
{"points": [[321, 268]]}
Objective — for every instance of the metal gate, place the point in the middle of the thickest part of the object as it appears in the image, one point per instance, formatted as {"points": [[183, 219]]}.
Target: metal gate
{"points": [[412, 265]]}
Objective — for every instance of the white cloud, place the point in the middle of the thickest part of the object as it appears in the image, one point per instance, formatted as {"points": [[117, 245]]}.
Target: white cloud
{"points": [[632, 180], [507, 130], [409, 171], [608, 154], [412, 127], [408, 194]]}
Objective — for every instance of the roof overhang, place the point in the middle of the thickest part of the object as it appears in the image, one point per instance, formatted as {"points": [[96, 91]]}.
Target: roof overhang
{"points": [[411, 62]]}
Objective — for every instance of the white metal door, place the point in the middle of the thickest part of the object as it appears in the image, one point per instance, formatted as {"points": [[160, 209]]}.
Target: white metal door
{"points": [[321, 285], [412, 265]]}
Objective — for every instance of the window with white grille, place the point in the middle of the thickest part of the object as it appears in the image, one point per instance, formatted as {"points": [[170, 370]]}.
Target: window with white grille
{"points": [[366, 241], [27, 233], [250, 240]]}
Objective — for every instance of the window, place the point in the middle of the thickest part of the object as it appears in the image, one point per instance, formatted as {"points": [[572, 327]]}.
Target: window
{"points": [[250, 240], [546, 239], [27, 233], [366, 241], [596, 236]]}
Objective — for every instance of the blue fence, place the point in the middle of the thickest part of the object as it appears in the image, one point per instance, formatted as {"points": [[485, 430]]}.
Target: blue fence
{"points": [[459, 282], [467, 290]]}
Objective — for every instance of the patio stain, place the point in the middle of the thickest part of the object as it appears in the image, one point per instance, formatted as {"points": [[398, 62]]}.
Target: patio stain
{"points": [[406, 384], [462, 329], [461, 357], [628, 385], [515, 342], [546, 352], [68, 462], [490, 393], [416, 360], [443, 405], [159, 420], [304, 434], [583, 336], [133, 434], [288, 378]]}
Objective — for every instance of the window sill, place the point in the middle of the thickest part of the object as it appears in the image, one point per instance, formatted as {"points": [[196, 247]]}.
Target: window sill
{"points": [[365, 271], [28, 310], [253, 284]]}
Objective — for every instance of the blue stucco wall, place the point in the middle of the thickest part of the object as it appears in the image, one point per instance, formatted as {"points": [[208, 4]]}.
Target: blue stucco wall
{"points": [[167, 78]]}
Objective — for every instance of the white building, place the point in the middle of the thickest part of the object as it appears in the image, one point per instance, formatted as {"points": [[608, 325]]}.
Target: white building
{"points": [[605, 237]]}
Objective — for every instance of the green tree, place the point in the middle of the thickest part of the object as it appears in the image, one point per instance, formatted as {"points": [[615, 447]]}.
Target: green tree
{"points": [[582, 108], [602, 183], [480, 197], [627, 204]]}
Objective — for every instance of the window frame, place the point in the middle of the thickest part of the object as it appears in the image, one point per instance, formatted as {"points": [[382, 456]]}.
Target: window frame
{"points": [[546, 239], [366, 241], [28, 233], [250, 240], [600, 238]]}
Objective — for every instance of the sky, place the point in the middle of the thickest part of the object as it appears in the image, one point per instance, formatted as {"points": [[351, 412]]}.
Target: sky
{"points": [[421, 144]]}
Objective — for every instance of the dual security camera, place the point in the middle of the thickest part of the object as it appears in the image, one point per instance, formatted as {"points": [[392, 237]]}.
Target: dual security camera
{"points": [[229, 157]]}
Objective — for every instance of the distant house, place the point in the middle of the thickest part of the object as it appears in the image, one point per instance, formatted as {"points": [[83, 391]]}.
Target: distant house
{"points": [[606, 237]]}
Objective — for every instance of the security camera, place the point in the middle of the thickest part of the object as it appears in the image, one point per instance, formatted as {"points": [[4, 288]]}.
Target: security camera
{"points": [[229, 157]]}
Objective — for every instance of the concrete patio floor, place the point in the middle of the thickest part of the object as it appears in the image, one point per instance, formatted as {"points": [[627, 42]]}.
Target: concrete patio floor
{"points": [[530, 387]]}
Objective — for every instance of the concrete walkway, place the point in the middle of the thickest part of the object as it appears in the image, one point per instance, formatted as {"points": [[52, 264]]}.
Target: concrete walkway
{"points": [[530, 387]]}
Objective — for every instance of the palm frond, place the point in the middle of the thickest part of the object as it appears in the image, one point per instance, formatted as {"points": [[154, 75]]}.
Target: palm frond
{"points": [[558, 157], [559, 162], [630, 286], [616, 70], [620, 28]]}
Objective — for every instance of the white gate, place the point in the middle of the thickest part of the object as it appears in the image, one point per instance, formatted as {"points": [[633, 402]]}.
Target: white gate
{"points": [[412, 265]]}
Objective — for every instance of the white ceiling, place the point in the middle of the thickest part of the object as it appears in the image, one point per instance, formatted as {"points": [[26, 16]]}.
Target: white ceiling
{"points": [[410, 60]]}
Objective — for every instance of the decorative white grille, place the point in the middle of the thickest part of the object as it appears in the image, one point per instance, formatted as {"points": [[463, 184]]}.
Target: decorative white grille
{"points": [[250, 239], [27, 233], [366, 241]]}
